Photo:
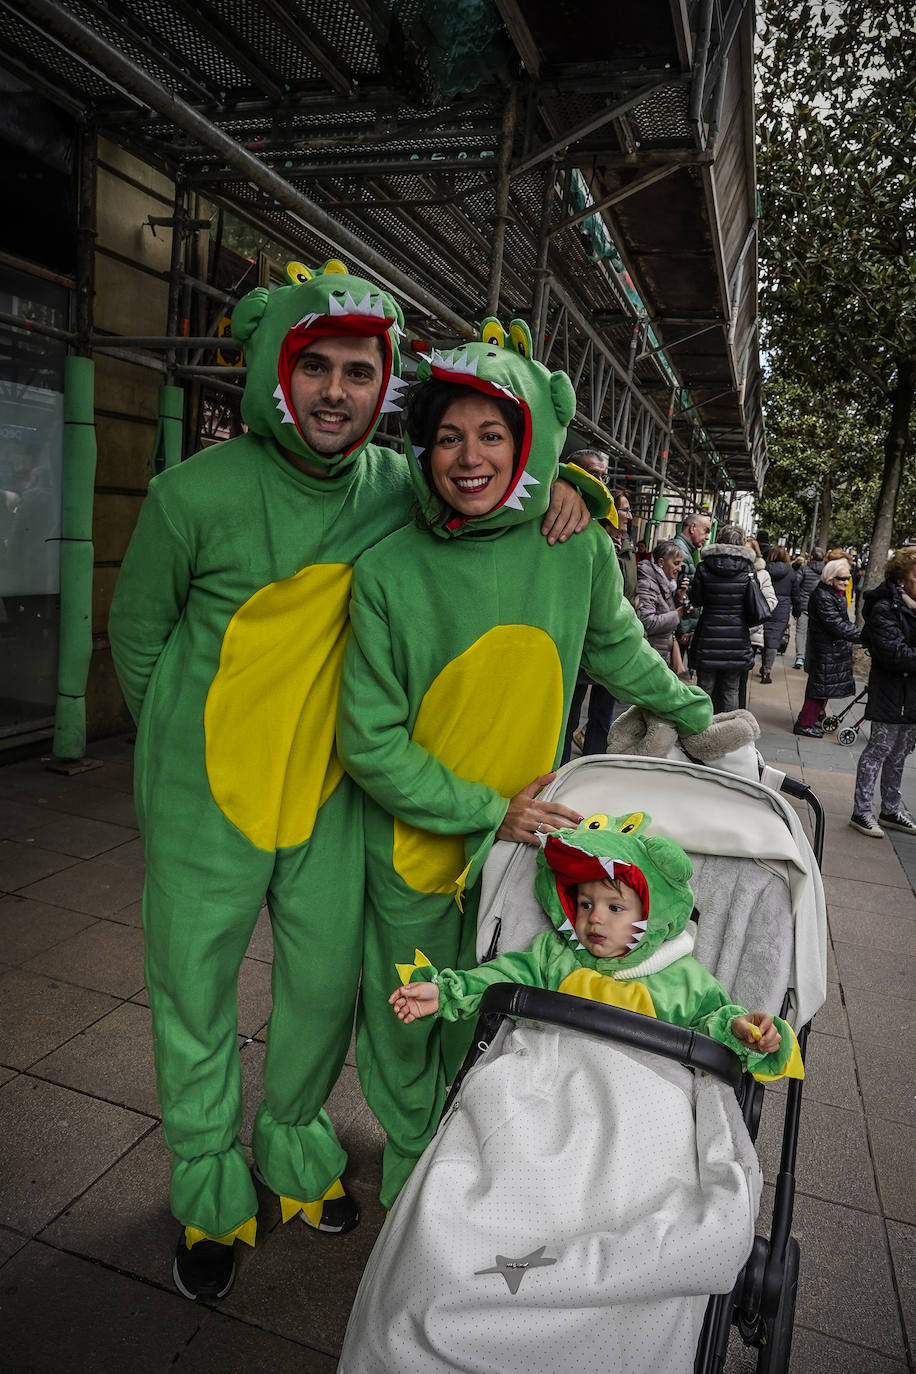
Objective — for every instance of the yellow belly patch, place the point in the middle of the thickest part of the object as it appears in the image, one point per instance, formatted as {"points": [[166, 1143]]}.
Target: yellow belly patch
{"points": [[492, 715], [597, 987], [271, 711]]}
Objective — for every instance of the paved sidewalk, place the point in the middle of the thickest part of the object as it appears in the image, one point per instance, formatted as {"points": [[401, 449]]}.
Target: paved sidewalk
{"points": [[85, 1234]]}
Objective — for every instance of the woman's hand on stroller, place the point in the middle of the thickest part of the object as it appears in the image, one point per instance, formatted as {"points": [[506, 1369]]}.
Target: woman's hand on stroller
{"points": [[757, 1031], [414, 1001], [526, 819]]}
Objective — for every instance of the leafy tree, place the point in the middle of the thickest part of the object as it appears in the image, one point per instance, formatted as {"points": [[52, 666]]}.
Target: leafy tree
{"points": [[838, 243]]}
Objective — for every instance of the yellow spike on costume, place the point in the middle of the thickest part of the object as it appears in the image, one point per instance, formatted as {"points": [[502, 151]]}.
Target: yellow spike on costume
{"points": [[291, 1207], [405, 970], [795, 1068], [461, 883], [246, 1232]]}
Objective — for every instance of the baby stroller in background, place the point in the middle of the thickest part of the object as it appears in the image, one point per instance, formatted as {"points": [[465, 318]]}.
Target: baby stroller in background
{"points": [[491, 1259], [849, 733]]}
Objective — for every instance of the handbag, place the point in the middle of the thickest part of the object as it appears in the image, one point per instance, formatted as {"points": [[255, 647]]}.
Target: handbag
{"points": [[756, 610]]}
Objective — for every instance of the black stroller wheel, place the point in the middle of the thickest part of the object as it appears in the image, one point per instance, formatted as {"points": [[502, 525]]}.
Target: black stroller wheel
{"points": [[777, 1343], [847, 736], [830, 723]]}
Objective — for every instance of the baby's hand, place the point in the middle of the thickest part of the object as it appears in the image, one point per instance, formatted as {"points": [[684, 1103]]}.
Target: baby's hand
{"points": [[418, 999], [757, 1031]]}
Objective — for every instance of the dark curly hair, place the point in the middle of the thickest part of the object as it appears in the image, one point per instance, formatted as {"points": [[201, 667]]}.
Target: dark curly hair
{"points": [[426, 405]]}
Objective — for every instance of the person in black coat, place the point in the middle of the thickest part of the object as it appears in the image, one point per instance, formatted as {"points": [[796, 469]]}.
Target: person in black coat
{"points": [[806, 580], [720, 649], [890, 636], [831, 635], [785, 585]]}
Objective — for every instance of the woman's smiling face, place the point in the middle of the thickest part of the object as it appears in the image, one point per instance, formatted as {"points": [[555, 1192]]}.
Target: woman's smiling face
{"points": [[473, 455]]}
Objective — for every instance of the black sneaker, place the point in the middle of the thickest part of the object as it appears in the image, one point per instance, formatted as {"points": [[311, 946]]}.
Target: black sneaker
{"points": [[204, 1272], [902, 820], [338, 1215], [867, 825]]}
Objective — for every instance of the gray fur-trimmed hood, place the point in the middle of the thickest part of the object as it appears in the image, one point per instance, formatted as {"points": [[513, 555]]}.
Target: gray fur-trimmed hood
{"points": [[730, 551]]}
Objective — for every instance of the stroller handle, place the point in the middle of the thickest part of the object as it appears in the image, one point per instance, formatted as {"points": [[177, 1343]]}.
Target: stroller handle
{"points": [[688, 1047]]}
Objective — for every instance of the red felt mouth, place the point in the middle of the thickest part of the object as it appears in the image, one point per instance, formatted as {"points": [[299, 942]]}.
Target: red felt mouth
{"points": [[572, 866]]}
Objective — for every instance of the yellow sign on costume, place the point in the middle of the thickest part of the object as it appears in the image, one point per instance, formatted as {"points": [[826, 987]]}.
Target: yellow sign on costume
{"points": [[598, 987], [516, 670]]}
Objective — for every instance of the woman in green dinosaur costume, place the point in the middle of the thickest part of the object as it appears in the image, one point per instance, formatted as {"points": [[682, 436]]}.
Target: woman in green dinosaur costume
{"points": [[467, 638]]}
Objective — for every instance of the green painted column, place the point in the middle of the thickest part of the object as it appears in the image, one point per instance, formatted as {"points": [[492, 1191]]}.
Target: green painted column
{"points": [[76, 558], [169, 428]]}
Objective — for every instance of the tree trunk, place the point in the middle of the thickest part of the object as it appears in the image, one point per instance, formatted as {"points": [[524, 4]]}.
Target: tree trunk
{"points": [[822, 536], [895, 446]]}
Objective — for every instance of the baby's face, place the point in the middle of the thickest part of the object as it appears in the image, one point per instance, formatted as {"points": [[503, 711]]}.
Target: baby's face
{"points": [[605, 917]]}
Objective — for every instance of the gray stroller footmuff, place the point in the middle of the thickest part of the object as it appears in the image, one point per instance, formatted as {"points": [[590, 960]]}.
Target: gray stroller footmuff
{"points": [[581, 1202]]}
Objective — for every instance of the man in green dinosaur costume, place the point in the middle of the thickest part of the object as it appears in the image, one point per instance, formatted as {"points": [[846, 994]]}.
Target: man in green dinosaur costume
{"points": [[467, 638], [640, 959], [228, 628]]}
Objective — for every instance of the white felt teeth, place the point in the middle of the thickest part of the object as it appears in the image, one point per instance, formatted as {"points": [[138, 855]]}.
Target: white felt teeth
{"points": [[418, 451], [643, 924], [455, 361], [567, 928], [348, 306], [608, 866], [521, 492], [305, 321], [283, 407], [393, 399]]}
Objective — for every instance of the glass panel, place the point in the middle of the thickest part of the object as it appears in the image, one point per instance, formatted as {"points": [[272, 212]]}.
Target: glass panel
{"points": [[31, 424]]}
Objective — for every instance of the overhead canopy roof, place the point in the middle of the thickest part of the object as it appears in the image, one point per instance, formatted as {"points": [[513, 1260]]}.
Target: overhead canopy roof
{"points": [[590, 169]]}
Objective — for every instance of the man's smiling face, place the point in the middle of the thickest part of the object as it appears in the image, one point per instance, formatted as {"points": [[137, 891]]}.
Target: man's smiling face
{"points": [[334, 390]]}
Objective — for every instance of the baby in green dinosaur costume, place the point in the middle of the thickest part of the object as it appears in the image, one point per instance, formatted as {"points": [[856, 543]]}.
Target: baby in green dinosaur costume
{"points": [[619, 903]]}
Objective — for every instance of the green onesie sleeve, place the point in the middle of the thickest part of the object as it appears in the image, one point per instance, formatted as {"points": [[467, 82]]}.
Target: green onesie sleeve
{"points": [[542, 965], [617, 654], [149, 598]]}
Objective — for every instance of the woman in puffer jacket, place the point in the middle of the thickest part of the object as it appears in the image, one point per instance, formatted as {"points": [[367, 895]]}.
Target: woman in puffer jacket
{"points": [[890, 636], [660, 605], [785, 586], [831, 635], [721, 646]]}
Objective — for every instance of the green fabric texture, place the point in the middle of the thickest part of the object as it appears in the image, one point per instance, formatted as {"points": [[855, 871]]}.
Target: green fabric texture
{"points": [[458, 675], [228, 618]]}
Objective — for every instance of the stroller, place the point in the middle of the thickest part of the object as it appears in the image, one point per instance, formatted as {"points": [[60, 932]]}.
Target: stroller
{"points": [[849, 733], [586, 1192]]}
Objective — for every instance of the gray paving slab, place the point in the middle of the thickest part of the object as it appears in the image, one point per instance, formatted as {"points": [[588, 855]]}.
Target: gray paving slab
{"points": [[232, 1347], [131, 915], [27, 928], [831, 1018], [877, 969], [888, 1080], [81, 836], [873, 929], [128, 857], [849, 854], [872, 1016], [22, 864], [38, 1013], [19, 818], [63, 1315], [830, 1072], [862, 896], [261, 944], [833, 1159], [815, 1353], [254, 996], [56, 1142], [105, 956], [101, 803], [6, 1074], [123, 1218], [894, 1150], [111, 1059], [902, 1240], [10, 1242], [94, 885], [839, 1245]]}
